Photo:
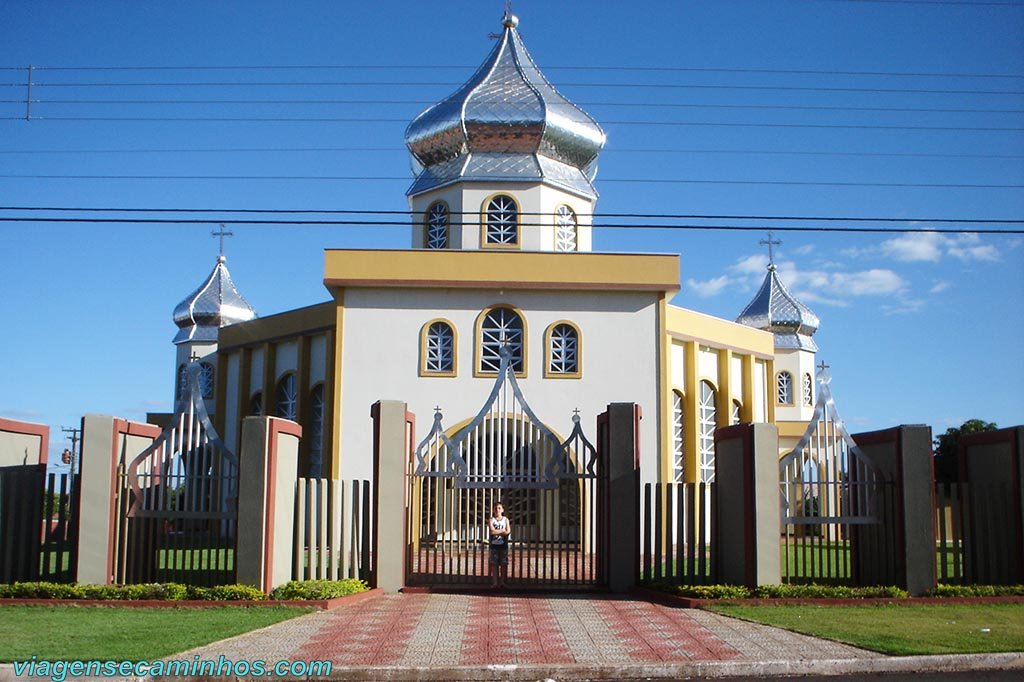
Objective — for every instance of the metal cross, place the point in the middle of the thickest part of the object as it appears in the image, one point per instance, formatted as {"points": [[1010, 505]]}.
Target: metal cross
{"points": [[224, 233], [193, 357], [823, 366], [770, 242]]}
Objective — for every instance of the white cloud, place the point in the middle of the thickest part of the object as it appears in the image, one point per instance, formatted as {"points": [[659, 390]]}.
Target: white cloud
{"points": [[708, 288], [969, 247], [804, 250], [914, 247], [939, 286], [872, 282], [755, 264]]}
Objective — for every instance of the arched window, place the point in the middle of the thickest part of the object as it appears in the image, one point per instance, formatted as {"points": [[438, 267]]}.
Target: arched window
{"points": [[500, 326], [437, 226], [566, 229], [708, 423], [501, 222], [562, 343], [808, 390], [784, 388], [437, 349], [286, 398], [207, 376], [678, 439], [736, 408], [256, 404], [316, 431]]}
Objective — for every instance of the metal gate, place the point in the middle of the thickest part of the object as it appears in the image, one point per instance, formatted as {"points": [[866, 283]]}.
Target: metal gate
{"points": [[178, 503], [833, 501], [549, 489]]}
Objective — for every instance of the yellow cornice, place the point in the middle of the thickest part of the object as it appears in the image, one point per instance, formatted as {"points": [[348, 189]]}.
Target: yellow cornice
{"points": [[789, 429], [504, 270], [288, 324], [688, 325]]}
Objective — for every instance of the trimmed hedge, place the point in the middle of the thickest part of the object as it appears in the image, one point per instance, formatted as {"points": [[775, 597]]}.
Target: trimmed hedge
{"points": [[978, 591], [780, 592], [298, 590], [319, 589]]}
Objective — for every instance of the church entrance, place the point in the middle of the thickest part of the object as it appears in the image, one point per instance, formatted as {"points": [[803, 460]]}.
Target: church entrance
{"points": [[548, 487]]}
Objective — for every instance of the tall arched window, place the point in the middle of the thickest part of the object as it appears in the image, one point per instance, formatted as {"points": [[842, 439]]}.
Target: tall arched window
{"points": [[179, 388], [501, 326], [437, 226], [562, 345], [316, 431], [784, 388], [501, 222], [437, 349], [736, 407], [256, 404], [708, 423], [206, 379], [678, 439], [566, 229], [286, 398], [808, 390]]}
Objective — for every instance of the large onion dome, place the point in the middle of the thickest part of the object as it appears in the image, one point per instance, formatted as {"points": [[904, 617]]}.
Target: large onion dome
{"points": [[215, 304], [506, 123], [776, 310]]}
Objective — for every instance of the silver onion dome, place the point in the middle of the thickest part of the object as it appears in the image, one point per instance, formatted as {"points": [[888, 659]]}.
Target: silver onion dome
{"points": [[776, 310], [215, 304], [506, 123]]}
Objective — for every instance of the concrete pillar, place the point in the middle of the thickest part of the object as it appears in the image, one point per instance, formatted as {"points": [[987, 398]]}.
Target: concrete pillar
{"points": [[267, 471], [992, 467], [623, 496], [746, 527], [392, 447], [907, 518], [106, 443]]}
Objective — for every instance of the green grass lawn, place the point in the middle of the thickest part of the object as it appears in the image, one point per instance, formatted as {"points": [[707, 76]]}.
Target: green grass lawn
{"points": [[900, 630], [124, 634]]}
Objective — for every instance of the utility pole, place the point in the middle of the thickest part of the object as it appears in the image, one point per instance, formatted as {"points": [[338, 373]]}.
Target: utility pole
{"points": [[75, 437]]}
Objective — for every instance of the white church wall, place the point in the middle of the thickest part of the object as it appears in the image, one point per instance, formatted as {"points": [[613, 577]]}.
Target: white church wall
{"points": [[317, 359], [707, 364], [381, 355], [256, 374], [286, 358], [736, 377], [760, 392], [231, 416], [799, 363], [677, 362]]}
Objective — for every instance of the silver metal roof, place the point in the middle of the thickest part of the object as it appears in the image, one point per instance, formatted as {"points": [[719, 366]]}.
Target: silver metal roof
{"points": [[507, 122], [215, 304], [777, 310]]}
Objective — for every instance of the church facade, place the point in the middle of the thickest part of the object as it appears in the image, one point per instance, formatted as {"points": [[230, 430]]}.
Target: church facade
{"points": [[501, 257]]}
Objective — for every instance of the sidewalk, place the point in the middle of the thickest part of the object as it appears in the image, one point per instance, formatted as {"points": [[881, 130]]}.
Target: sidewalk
{"points": [[537, 637]]}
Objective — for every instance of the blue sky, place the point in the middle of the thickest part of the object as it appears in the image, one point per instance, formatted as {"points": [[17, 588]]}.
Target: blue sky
{"points": [[767, 108]]}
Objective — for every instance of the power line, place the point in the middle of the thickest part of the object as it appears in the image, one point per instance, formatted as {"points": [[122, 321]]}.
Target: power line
{"points": [[667, 216], [372, 178], [345, 119], [404, 224], [562, 67], [608, 150]]}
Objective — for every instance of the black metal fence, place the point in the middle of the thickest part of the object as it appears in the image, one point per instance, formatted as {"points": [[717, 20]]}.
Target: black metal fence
{"points": [[977, 531], [38, 524]]}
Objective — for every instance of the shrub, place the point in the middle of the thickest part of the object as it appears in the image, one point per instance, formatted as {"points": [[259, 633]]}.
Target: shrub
{"points": [[318, 589], [978, 591], [234, 592], [811, 591]]}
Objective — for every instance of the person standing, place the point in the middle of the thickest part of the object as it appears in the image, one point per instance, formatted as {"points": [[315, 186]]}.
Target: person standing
{"points": [[499, 529]]}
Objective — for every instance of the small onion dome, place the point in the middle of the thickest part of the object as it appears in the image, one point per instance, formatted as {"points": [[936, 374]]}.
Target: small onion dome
{"points": [[215, 304], [776, 310], [506, 123]]}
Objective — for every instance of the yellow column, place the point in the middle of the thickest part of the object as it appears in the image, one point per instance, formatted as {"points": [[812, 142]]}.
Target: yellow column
{"points": [[769, 374], [747, 410], [691, 417], [724, 387], [664, 393], [335, 414]]}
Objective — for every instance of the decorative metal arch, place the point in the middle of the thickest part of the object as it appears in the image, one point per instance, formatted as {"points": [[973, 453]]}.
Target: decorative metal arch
{"points": [[505, 445], [188, 458], [827, 478]]}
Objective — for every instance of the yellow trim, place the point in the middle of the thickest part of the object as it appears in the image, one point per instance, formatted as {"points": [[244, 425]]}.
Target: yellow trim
{"points": [[790, 429], [477, 341], [664, 405], [691, 414], [725, 397], [426, 225], [747, 404], [474, 269], [285, 325], [424, 372], [336, 416], [687, 325], [576, 217], [483, 224], [548, 374], [769, 407], [792, 389]]}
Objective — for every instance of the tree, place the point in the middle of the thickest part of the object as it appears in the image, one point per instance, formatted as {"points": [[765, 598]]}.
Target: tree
{"points": [[946, 467]]}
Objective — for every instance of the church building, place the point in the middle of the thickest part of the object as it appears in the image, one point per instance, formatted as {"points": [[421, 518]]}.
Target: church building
{"points": [[501, 257]]}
